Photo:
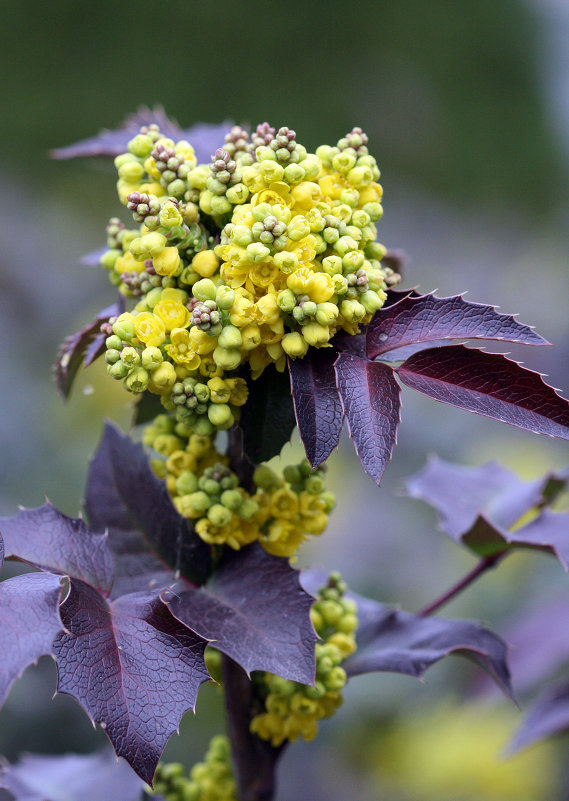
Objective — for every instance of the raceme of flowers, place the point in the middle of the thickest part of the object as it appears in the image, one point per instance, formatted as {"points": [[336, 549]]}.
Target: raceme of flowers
{"points": [[257, 256], [280, 514], [292, 710]]}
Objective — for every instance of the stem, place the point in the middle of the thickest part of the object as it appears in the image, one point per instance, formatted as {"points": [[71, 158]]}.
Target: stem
{"points": [[483, 565], [254, 760]]}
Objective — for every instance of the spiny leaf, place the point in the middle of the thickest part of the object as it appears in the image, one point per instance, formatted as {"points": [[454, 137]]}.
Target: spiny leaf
{"points": [[85, 345], [370, 397], [317, 405], [123, 492], [29, 620], [255, 611], [549, 715], [460, 493], [267, 419], [50, 540], [391, 640], [488, 384], [133, 667], [429, 318], [72, 777], [204, 137]]}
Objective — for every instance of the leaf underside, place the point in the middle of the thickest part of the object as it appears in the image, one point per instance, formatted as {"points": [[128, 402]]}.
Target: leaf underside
{"points": [[547, 716], [267, 419]]}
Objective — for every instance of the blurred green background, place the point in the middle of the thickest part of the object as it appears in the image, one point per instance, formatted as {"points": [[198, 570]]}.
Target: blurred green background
{"points": [[467, 109]]}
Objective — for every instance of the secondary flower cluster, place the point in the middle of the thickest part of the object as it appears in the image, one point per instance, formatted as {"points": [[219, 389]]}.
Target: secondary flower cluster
{"points": [[210, 780], [257, 256], [293, 710], [280, 514]]}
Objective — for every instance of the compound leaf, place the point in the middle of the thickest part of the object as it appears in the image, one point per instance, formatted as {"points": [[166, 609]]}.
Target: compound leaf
{"points": [[267, 419], [29, 620], [124, 493], [317, 405], [424, 318], [85, 345], [133, 667], [400, 642], [255, 611], [50, 540], [488, 384], [370, 397], [72, 777]]}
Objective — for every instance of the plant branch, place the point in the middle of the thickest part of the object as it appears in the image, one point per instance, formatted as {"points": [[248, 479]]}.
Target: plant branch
{"points": [[486, 563], [254, 760]]}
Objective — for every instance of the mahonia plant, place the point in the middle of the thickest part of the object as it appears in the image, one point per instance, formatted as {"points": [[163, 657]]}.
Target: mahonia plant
{"points": [[253, 296]]}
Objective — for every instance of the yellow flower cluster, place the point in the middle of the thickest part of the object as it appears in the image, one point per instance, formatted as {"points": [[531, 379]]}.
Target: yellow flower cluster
{"points": [[280, 514], [294, 260], [292, 709], [210, 780]]}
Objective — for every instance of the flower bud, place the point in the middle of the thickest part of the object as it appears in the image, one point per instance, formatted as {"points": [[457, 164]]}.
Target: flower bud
{"points": [[204, 289], [151, 245], [298, 228], [131, 172], [202, 393], [230, 337], [271, 171], [264, 477], [294, 345], [251, 336], [137, 380], [205, 263], [224, 297], [326, 313], [186, 483], [117, 370], [248, 509], [316, 334], [109, 258], [286, 300], [203, 426], [130, 357], [170, 215], [332, 265], [257, 252], [123, 326], [232, 499], [167, 261], [220, 415], [112, 356], [286, 261], [141, 145], [375, 211], [164, 377], [151, 358], [237, 194], [219, 515], [352, 311], [372, 301], [227, 359], [198, 503]]}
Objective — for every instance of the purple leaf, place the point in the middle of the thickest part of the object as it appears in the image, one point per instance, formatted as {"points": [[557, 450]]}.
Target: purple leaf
{"points": [[488, 384], [428, 318], [204, 137], [317, 405], [370, 397], [124, 493], [93, 777], [133, 667], [256, 612], [460, 493], [86, 344], [391, 640], [50, 540], [267, 419], [549, 715], [29, 621]]}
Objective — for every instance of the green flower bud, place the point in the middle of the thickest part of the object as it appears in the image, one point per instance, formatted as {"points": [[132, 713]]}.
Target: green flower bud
{"points": [[131, 171], [264, 477], [340, 284], [163, 424], [344, 161], [209, 485], [294, 173], [330, 235], [329, 499], [203, 427], [305, 468], [345, 244], [257, 252], [326, 313], [170, 215], [220, 415], [298, 228], [177, 187], [361, 218], [271, 171], [248, 509], [286, 300], [265, 154], [375, 211], [219, 515], [151, 358], [186, 483], [352, 261], [112, 356], [109, 258], [371, 301], [123, 327], [204, 289], [164, 376], [286, 261], [332, 264], [130, 357], [294, 345], [189, 276], [347, 624], [137, 379], [151, 245], [316, 334], [141, 146], [242, 235], [232, 499], [230, 337], [199, 503], [227, 359], [224, 297], [292, 474], [335, 679], [237, 194], [314, 484], [352, 311]]}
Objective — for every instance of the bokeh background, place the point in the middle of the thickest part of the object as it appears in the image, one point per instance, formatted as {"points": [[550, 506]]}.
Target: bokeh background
{"points": [[467, 109]]}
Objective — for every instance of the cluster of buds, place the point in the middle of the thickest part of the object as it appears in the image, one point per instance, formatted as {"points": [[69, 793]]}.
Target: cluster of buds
{"points": [[285, 147], [210, 780], [262, 136], [238, 146], [292, 710]]}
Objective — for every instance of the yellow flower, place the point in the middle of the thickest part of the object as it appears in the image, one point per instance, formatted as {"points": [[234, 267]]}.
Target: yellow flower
{"points": [[205, 263], [259, 358], [243, 311], [172, 313], [233, 275], [300, 281], [180, 461], [167, 262], [310, 505], [268, 310], [282, 538], [181, 349], [178, 295], [271, 334], [315, 524], [149, 329], [306, 194], [238, 389], [284, 503], [264, 273], [208, 368], [321, 288], [219, 391], [333, 184], [201, 341], [128, 264]]}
